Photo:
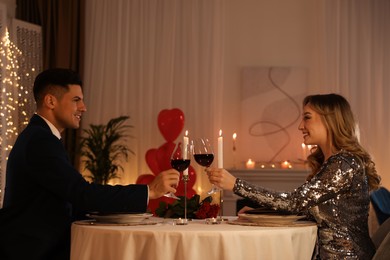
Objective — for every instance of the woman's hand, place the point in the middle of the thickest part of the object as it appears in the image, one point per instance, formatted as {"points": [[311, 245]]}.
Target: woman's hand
{"points": [[244, 209], [221, 178]]}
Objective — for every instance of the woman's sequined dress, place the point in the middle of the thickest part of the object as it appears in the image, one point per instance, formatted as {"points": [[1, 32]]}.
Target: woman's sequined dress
{"points": [[337, 197]]}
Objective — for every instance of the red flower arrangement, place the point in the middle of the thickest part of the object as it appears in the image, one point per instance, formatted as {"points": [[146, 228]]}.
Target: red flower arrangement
{"points": [[207, 210], [196, 209]]}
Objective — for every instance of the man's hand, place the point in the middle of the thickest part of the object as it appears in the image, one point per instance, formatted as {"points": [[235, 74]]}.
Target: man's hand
{"points": [[164, 183]]}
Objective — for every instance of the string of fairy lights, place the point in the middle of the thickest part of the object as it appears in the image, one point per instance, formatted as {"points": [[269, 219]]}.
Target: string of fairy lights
{"points": [[14, 100]]}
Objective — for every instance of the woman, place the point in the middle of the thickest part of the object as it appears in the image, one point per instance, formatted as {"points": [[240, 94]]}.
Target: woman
{"points": [[336, 193]]}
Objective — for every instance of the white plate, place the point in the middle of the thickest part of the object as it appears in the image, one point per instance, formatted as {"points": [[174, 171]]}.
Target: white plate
{"points": [[269, 219], [121, 218]]}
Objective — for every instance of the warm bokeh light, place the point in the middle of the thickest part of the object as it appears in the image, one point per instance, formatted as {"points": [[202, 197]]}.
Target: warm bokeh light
{"points": [[14, 97]]}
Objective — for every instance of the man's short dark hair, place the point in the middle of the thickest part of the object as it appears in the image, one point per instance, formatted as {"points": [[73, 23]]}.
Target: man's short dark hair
{"points": [[50, 79]]}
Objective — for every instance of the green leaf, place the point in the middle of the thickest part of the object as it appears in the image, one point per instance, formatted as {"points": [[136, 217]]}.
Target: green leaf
{"points": [[103, 149]]}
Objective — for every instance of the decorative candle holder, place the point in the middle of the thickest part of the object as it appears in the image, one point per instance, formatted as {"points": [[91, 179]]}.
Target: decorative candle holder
{"points": [[212, 221], [185, 180], [220, 219], [181, 221]]}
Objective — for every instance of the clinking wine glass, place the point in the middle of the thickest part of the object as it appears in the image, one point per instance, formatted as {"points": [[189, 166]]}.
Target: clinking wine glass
{"points": [[180, 160], [204, 155]]}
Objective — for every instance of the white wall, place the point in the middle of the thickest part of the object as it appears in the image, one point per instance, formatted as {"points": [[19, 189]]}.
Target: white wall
{"points": [[275, 33], [263, 33]]}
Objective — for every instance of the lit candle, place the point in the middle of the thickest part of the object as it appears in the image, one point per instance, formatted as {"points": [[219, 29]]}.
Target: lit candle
{"points": [[285, 165], [309, 147], [185, 145], [250, 164], [304, 155], [234, 141], [181, 221], [220, 150]]}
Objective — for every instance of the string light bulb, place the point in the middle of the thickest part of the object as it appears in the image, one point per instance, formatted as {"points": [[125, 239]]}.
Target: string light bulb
{"points": [[15, 99]]}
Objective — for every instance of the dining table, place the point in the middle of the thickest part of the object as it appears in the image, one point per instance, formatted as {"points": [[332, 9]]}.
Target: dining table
{"points": [[166, 239]]}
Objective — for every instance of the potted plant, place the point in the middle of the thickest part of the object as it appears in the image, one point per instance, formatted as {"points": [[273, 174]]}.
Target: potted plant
{"points": [[103, 149]]}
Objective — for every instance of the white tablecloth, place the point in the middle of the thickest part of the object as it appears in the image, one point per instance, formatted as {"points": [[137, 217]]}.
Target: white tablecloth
{"points": [[192, 242]]}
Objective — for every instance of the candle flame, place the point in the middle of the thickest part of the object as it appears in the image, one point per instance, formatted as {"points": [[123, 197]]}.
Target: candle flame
{"points": [[220, 132], [250, 164], [186, 134], [286, 164], [234, 136]]}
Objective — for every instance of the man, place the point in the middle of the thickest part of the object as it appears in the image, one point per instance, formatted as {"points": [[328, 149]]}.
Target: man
{"points": [[43, 189]]}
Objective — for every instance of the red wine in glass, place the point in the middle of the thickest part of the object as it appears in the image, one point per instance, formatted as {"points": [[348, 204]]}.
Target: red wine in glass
{"points": [[204, 159], [180, 160], [180, 164], [204, 155]]}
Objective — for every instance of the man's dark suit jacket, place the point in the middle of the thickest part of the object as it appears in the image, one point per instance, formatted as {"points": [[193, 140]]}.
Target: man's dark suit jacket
{"points": [[42, 189]]}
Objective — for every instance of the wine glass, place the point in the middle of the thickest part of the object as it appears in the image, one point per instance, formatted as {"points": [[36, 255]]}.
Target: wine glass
{"points": [[180, 160], [204, 156]]}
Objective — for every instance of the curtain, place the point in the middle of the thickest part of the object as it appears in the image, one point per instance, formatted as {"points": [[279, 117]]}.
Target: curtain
{"points": [[354, 60], [146, 56], [62, 30]]}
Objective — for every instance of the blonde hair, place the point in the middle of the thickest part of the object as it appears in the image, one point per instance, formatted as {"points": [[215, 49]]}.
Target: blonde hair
{"points": [[337, 116]]}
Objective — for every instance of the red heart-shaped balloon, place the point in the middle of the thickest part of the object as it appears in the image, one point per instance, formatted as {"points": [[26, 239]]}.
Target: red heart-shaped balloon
{"points": [[190, 192], [145, 179], [170, 123], [155, 203], [190, 183], [192, 176], [151, 161], [164, 156]]}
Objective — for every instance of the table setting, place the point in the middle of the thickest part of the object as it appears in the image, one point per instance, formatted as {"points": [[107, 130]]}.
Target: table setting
{"points": [[191, 227], [184, 209], [168, 238], [271, 218], [257, 217]]}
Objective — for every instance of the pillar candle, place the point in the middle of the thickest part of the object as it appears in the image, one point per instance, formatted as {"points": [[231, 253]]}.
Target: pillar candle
{"points": [[220, 150], [185, 146], [285, 165], [304, 154], [309, 147], [234, 141], [250, 164]]}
